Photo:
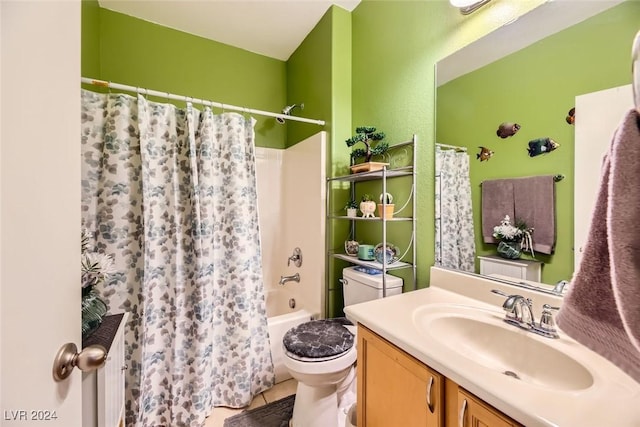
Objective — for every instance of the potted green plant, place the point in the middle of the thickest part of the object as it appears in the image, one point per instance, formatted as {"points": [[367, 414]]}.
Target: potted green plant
{"points": [[386, 206], [367, 206], [513, 238], [352, 208], [373, 146], [96, 268]]}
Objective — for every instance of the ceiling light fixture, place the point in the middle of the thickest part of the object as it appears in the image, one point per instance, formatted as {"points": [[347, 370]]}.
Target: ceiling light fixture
{"points": [[468, 6]]}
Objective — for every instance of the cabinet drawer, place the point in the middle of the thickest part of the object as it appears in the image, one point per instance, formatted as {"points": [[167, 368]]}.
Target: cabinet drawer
{"points": [[394, 388], [476, 413]]}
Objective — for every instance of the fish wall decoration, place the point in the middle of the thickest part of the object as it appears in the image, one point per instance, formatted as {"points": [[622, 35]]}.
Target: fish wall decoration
{"points": [[507, 129], [571, 116], [541, 146], [484, 154]]}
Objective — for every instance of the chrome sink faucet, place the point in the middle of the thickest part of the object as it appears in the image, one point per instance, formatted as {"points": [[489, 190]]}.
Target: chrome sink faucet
{"points": [[519, 312], [561, 286]]}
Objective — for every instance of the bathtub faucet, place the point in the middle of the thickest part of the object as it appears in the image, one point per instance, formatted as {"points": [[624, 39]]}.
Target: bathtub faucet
{"points": [[285, 279]]}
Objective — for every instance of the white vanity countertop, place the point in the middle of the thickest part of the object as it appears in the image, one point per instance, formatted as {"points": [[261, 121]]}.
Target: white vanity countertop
{"points": [[612, 400]]}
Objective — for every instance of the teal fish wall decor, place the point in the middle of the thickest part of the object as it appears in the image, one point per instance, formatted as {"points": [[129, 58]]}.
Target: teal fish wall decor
{"points": [[541, 146]]}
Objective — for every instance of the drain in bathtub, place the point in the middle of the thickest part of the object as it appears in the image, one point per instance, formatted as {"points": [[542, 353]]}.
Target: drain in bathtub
{"points": [[292, 303], [511, 374]]}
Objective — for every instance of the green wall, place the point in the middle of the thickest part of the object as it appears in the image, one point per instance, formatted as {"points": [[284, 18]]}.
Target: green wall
{"points": [[140, 53], [396, 45], [309, 80], [90, 39], [536, 87], [374, 66], [321, 66], [127, 50], [319, 75]]}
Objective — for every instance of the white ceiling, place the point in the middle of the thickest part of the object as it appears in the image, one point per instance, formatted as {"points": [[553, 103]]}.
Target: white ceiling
{"points": [[273, 28]]}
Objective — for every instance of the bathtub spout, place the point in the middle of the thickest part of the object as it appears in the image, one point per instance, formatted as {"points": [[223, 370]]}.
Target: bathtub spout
{"points": [[285, 279]]}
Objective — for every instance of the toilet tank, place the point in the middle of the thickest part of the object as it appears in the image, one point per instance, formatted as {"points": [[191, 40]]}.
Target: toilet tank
{"points": [[359, 286]]}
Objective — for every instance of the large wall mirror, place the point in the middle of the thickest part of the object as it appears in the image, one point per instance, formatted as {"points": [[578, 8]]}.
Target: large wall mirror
{"points": [[528, 73]]}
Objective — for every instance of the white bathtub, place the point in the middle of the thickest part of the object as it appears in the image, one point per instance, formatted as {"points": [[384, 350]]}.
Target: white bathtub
{"points": [[281, 318]]}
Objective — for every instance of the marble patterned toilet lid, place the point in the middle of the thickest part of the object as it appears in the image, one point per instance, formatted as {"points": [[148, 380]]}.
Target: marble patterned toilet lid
{"points": [[323, 339]]}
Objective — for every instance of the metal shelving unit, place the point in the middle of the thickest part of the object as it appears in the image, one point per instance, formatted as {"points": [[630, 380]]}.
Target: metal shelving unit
{"points": [[383, 176]]}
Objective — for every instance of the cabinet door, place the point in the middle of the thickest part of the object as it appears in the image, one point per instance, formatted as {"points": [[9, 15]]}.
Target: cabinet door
{"points": [[473, 412], [395, 389]]}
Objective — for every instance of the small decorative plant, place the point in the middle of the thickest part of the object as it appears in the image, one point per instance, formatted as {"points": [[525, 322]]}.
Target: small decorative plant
{"points": [[352, 208], [386, 206], [367, 206], [372, 143], [351, 204], [513, 238], [96, 269], [386, 198]]}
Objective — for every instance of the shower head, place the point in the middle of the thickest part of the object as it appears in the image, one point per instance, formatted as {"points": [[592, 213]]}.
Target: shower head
{"points": [[287, 111]]}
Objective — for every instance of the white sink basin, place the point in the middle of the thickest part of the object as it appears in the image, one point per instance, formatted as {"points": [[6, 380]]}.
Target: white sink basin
{"points": [[483, 338]]}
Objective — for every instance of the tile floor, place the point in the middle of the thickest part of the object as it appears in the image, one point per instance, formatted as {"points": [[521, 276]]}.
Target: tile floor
{"points": [[279, 391]]}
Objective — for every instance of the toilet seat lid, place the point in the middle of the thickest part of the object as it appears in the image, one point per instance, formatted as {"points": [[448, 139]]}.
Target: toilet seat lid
{"points": [[318, 340]]}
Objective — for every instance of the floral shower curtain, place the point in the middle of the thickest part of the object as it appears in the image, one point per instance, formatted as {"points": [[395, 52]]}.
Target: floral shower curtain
{"points": [[171, 194], [455, 244]]}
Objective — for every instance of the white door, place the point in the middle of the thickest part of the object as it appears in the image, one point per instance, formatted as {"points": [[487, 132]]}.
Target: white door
{"points": [[39, 210], [598, 114]]}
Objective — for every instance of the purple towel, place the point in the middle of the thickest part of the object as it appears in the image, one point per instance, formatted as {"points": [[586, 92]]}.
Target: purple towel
{"points": [[528, 199], [497, 201], [535, 204], [602, 307]]}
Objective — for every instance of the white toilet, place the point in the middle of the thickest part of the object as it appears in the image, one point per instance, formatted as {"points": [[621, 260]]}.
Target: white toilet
{"points": [[320, 354]]}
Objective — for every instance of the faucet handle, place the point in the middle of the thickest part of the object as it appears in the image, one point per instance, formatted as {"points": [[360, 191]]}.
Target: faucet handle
{"points": [[499, 292], [296, 258], [547, 323]]}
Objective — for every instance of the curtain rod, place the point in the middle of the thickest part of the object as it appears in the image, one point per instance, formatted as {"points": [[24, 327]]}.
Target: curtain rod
{"points": [[455, 147], [168, 95]]}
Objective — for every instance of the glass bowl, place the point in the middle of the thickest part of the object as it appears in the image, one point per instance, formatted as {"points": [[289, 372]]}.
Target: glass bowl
{"points": [[390, 253]]}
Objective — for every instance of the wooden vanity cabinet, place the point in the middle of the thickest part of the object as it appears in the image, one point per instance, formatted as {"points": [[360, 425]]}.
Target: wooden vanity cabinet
{"points": [[474, 411], [396, 389]]}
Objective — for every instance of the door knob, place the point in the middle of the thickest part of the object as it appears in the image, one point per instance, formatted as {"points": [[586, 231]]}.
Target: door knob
{"points": [[89, 359]]}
